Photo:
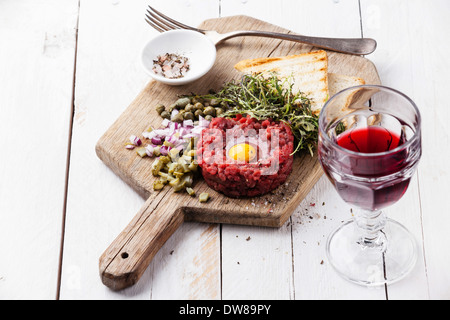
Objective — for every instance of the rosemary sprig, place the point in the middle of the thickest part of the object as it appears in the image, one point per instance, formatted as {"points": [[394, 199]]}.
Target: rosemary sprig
{"points": [[264, 97]]}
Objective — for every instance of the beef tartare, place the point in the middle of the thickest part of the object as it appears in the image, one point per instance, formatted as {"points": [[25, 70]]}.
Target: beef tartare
{"points": [[244, 157]]}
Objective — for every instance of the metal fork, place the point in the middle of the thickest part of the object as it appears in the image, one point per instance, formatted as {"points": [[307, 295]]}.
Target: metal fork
{"points": [[357, 46]]}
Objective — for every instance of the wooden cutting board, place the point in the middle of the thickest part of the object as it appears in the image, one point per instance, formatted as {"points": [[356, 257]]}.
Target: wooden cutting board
{"points": [[126, 259]]}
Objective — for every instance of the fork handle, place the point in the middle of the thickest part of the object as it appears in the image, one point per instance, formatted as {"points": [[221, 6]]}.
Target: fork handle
{"points": [[357, 46]]}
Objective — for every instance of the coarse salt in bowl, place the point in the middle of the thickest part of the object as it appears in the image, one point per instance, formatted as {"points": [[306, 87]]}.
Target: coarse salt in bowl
{"points": [[193, 45]]}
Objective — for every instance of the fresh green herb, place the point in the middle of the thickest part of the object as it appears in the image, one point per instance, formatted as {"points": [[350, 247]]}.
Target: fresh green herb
{"points": [[340, 128], [263, 97]]}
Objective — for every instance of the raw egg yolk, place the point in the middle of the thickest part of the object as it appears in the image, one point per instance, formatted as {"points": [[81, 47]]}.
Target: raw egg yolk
{"points": [[242, 152]]}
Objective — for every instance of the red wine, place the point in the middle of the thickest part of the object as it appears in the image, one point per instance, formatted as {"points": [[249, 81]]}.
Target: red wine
{"points": [[367, 178], [369, 140]]}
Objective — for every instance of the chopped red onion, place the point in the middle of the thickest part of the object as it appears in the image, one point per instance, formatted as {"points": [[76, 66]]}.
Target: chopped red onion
{"points": [[165, 123], [164, 150], [202, 122], [172, 139], [157, 141], [162, 132], [190, 135], [188, 123], [180, 145], [197, 130], [149, 150], [149, 135], [135, 140], [170, 135]]}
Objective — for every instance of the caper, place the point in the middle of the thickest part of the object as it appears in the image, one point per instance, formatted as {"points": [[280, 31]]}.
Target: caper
{"points": [[199, 113], [172, 107], [198, 106], [209, 111], [214, 102], [178, 118], [165, 115], [219, 111], [160, 108], [195, 100], [182, 102], [209, 117], [189, 107], [188, 116]]}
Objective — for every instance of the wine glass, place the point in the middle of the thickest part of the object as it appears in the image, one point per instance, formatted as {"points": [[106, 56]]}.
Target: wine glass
{"points": [[369, 148]]}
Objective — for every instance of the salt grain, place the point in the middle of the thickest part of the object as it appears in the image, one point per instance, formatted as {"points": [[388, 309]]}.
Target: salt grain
{"points": [[171, 66]]}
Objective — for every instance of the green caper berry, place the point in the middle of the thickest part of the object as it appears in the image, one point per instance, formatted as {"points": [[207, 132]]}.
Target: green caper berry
{"points": [[219, 111], [171, 107], [214, 102], [209, 111], [224, 105], [165, 115], [209, 117], [160, 108], [183, 102], [178, 118], [188, 116], [199, 113], [189, 107], [198, 106], [195, 100]]}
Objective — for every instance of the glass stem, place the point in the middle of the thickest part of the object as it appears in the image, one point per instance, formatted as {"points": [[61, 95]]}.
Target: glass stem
{"points": [[369, 227]]}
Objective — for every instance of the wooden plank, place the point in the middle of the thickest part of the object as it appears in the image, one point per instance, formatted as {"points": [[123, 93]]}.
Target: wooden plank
{"points": [[257, 263], [100, 205], [303, 276], [36, 79], [412, 63]]}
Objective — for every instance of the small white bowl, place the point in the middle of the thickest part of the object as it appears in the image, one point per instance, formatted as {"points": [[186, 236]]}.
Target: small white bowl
{"points": [[191, 44]]}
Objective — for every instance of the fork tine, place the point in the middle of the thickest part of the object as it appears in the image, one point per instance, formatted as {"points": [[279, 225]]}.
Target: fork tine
{"points": [[174, 22], [155, 24], [162, 23]]}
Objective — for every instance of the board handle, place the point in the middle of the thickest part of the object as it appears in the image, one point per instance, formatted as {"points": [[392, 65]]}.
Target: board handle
{"points": [[129, 255]]}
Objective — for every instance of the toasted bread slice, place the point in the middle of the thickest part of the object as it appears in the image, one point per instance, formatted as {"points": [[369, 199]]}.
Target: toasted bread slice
{"points": [[309, 71], [339, 82]]}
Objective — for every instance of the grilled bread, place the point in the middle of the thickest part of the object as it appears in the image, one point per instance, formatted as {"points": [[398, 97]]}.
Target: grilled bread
{"points": [[309, 71], [339, 82]]}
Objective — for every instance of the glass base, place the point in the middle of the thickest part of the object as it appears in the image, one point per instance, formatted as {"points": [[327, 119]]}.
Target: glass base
{"points": [[372, 265]]}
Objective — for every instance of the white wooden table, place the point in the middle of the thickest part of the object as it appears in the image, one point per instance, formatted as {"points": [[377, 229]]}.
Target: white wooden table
{"points": [[69, 68]]}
